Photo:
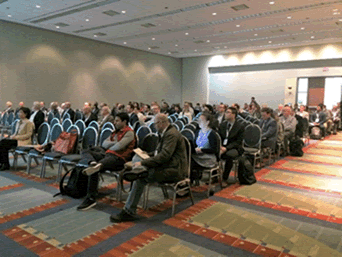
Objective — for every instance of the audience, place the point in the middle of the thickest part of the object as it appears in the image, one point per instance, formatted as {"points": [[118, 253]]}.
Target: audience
{"points": [[289, 122], [268, 129], [88, 115], [37, 116], [8, 107], [318, 119], [221, 113], [67, 109], [106, 117], [186, 112], [133, 118], [169, 164], [231, 133]]}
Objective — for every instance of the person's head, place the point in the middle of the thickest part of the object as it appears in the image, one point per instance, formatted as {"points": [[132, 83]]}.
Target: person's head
{"points": [[53, 105], [295, 106], [231, 114], [246, 106], [36, 106], [186, 107], [146, 108], [302, 108], [42, 104], [86, 110], [129, 108], [222, 108], [105, 111], [136, 105], [24, 113], [103, 104], [287, 111], [161, 122], [266, 113], [155, 109], [236, 106], [67, 105], [319, 107], [177, 108], [208, 108], [121, 120], [136, 110], [87, 104], [206, 120], [280, 107], [264, 105], [165, 105], [21, 104], [9, 104]]}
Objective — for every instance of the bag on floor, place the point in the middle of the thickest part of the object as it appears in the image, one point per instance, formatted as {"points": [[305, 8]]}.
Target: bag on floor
{"points": [[315, 133], [296, 147], [77, 184], [245, 172], [65, 143]]}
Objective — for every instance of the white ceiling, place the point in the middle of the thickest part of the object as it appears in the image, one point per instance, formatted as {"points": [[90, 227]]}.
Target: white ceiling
{"points": [[261, 25]]}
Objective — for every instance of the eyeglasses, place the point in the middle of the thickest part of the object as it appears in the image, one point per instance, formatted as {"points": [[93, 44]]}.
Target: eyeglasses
{"points": [[229, 112]]}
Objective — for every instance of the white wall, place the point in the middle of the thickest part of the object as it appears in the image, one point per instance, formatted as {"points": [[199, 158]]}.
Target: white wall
{"points": [[266, 86]]}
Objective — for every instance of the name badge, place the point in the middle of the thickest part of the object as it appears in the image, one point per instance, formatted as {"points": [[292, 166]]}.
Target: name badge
{"points": [[225, 142]]}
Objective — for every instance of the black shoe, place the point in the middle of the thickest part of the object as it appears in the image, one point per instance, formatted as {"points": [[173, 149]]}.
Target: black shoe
{"points": [[87, 204], [121, 217], [4, 167]]}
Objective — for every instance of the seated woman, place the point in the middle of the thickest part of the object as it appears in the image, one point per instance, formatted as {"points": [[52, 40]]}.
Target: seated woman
{"points": [[206, 146], [22, 136]]}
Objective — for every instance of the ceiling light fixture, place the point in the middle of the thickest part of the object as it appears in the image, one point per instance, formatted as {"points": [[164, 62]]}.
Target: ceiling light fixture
{"points": [[238, 26], [335, 10], [169, 52], [255, 34], [312, 37], [123, 11], [214, 13], [37, 6], [225, 47], [149, 48], [125, 43], [302, 28], [336, 13], [269, 42], [153, 38], [176, 45], [340, 19], [289, 17], [87, 20], [195, 50], [57, 27], [208, 41], [9, 15], [186, 33], [272, 2]]}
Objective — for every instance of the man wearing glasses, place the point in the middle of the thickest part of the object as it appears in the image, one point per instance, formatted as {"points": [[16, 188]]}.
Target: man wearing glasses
{"points": [[231, 133]]}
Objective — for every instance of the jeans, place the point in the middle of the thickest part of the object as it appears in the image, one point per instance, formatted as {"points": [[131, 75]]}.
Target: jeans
{"points": [[229, 156]]}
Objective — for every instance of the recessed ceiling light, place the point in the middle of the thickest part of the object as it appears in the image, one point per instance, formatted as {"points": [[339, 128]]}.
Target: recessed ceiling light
{"points": [[238, 26], [269, 42], [340, 19], [57, 27], [302, 28], [176, 45], [87, 20], [125, 43], [186, 33], [208, 41], [37, 6], [255, 34], [225, 47], [9, 15], [123, 11], [195, 50], [169, 52], [336, 13], [312, 37], [272, 2], [214, 13], [289, 17], [149, 48], [95, 35], [335, 10], [153, 38]]}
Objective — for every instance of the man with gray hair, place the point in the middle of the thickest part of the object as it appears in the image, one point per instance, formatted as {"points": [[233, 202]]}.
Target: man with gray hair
{"points": [[169, 164], [106, 116], [37, 116]]}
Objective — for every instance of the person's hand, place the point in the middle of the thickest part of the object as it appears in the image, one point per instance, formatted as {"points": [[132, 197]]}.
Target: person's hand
{"points": [[198, 150], [12, 137], [223, 150], [136, 164]]}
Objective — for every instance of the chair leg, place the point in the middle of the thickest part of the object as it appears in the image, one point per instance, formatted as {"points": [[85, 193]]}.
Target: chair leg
{"points": [[174, 202], [190, 193], [15, 160], [36, 160], [59, 172], [146, 192], [24, 158], [42, 170], [165, 193], [28, 167], [209, 185], [118, 189], [51, 165]]}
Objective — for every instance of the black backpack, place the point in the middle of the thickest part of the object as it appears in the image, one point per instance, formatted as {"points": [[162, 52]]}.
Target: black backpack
{"points": [[77, 184], [296, 145], [245, 171]]}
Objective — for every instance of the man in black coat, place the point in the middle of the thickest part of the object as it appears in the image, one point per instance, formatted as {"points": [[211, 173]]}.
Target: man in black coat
{"points": [[68, 110], [37, 116], [231, 133], [88, 116], [269, 128], [133, 118]]}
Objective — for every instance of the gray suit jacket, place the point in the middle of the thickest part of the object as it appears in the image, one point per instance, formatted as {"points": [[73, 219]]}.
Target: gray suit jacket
{"points": [[109, 118], [170, 164], [269, 130]]}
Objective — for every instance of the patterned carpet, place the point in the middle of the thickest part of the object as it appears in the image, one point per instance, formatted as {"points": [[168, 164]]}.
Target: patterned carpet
{"points": [[295, 209]]}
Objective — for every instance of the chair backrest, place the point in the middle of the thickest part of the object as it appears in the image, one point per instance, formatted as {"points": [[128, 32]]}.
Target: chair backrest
{"points": [[78, 115], [189, 134], [58, 116], [94, 124], [89, 137], [13, 126], [176, 126], [188, 154], [195, 123], [66, 124], [53, 122], [4, 118], [55, 131], [218, 146], [149, 143], [152, 127], [142, 132], [173, 118], [74, 129], [180, 124], [191, 127], [50, 117], [185, 120], [105, 133], [66, 116], [252, 136], [108, 125], [10, 119], [43, 133], [81, 126], [136, 126]]}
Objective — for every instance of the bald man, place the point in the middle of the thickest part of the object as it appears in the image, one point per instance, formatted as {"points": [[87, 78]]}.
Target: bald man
{"points": [[169, 164], [67, 109], [88, 116], [106, 116]]}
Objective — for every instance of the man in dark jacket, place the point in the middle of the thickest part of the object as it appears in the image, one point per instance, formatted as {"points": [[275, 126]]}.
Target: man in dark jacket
{"points": [[88, 116], [37, 116], [268, 129], [231, 133], [169, 164]]}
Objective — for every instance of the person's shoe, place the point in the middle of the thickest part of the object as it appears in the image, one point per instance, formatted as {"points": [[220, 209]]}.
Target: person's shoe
{"points": [[92, 169], [4, 167], [121, 217], [93, 163], [87, 204]]}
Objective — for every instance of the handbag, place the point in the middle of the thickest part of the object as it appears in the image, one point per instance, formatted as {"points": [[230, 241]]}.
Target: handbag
{"points": [[65, 143]]}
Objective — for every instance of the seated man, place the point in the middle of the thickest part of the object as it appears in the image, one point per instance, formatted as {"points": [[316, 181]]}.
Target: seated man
{"points": [[168, 165], [318, 119], [88, 116], [289, 122], [106, 117], [336, 118], [268, 129], [116, 150], [231, 133]]}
